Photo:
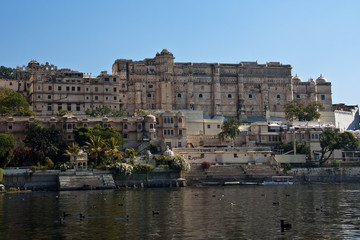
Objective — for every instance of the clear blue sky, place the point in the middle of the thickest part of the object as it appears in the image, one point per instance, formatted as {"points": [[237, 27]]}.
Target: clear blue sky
{"points": [[315, 37]]}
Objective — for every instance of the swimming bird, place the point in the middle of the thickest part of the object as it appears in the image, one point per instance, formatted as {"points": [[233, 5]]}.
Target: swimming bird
{"points": [[66, 214], [284, 226], [61, 220], [155, 213]]}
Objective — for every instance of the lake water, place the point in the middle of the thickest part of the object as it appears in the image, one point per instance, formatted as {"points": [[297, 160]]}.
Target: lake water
{"points": [[316, 211]]}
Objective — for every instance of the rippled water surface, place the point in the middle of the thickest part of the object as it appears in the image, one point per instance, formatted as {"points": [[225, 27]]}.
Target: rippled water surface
{"points": [[317, 211]]}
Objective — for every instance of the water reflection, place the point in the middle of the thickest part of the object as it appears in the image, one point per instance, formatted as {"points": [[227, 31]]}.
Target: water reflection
{"points": [[231, 212]]}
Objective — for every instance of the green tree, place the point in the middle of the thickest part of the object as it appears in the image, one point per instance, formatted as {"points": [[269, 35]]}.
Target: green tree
{"points": [[83, 134], [230, 128], [301, 148], [7, 73], [49, 141], [13, 104], [143, 112], [112, 150], [7, 145], [131, 153], [72, 150], [297, 110], [62, 112], [332, 140], [105, 112], [96, 148]]}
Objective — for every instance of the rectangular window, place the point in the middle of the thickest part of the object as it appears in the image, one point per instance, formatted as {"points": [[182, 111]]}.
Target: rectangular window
{"points": [[322, 97], [67, 88], [208, 126], [50, 88], [69, 107], [49, 96], [164, 132], [179, 144], [10, 127], [180, 131], [49, 107], [114, 79], [78, 107], [114, 89], [96, 98], [172, 132], [72, 88], [115, 98], [106, 79], [59, 106], [79, 89], [87, 89], [59, 88], [96, 89], [218, 126], [106, 90]]}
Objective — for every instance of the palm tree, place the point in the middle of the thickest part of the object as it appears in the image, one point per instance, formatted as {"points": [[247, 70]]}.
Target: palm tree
{"points": [[112, 149], [95, 147], [73, 150]]}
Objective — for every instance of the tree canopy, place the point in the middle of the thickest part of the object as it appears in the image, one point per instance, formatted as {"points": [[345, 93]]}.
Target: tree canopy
{"points": [[83, 134], [7, 144], [298, 110], [105, 112], [13, 104], [47, 140], [301, 148], [6, 72], [230, 128], [332, 140]]}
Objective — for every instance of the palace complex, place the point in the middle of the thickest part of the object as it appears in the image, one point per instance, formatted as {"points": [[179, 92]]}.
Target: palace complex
{"points": [[188, 101], [247, 90]]}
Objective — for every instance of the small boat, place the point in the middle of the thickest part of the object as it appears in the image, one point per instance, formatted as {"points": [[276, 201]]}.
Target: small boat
{"points": [[280, 180]]}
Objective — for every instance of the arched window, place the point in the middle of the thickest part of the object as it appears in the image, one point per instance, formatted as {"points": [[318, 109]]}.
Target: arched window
{"points": [[151, 126], [179, 95], [139, 126], [200, 95], [278, 96], [125, 126], [250, 96], [149, 95], [180, 120], [229, 96]]}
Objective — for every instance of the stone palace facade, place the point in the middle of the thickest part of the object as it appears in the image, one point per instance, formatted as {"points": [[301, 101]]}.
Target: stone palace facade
{"points": [[246, 89]]}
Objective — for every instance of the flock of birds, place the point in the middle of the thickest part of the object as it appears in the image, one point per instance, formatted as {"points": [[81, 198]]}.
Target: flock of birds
{"points": [[284, 226]]}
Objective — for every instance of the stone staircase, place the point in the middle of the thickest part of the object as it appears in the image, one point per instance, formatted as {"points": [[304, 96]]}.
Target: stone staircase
{"points": [[219, 174], [86, 182], [143, 146]]}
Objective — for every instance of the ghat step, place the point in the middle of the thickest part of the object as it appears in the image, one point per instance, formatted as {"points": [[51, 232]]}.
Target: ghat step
{"points": [[76, 182]]}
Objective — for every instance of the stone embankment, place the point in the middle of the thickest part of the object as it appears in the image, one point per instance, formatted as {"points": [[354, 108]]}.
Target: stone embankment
{"points": [[215, 175], [220, 174], [327, 175]]}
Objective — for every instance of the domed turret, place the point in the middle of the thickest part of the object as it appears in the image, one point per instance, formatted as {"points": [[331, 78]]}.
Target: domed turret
{"points": [[296, 79], [321, 79], [168, 152]]}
